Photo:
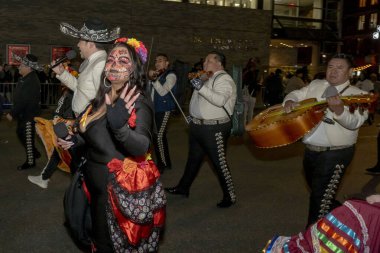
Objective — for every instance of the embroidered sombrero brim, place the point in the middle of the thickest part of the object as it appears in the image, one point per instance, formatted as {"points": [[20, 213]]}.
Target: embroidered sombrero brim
{"points": [[25, 61], [85, 33]]}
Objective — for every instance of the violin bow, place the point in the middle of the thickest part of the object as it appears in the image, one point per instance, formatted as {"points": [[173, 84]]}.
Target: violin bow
{"points": [[149, 54], [187, 119]]}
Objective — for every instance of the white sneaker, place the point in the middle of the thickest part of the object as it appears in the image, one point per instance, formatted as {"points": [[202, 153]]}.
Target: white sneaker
{"points": [[39, 181]]}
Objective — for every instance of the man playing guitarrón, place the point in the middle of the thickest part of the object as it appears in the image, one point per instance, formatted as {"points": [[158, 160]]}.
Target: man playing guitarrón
{"points": [[330, 146]]}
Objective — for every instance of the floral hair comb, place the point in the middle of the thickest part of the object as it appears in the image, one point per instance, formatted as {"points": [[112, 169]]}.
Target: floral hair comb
{"points": [[137, 45]]}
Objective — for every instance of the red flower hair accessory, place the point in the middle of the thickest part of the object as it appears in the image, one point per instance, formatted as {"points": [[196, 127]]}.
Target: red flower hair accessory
{"points": [[132, 119]]}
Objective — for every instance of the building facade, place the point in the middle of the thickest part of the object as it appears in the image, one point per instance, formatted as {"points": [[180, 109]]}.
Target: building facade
{"points": [[184, 31], [305, 33], [284, 34], [360, 21]]}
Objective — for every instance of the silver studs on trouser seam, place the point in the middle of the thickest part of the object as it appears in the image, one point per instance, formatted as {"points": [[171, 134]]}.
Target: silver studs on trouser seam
{"points": [[29, 143], [224, 167], [160, 137], [329, 194]]}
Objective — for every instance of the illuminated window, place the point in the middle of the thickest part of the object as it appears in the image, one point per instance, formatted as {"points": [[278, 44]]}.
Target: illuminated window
{"points": [[373, 2], [250, 4], [361, 22], [362, 3], [373, 20], [293, 8]]}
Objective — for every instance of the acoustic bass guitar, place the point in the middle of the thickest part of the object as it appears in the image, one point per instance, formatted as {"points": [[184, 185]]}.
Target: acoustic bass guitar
{"points": [[274, 127]]}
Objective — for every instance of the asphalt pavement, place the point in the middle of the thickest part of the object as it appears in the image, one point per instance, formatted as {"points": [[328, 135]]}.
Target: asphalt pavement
{"points": [[272, 197]]}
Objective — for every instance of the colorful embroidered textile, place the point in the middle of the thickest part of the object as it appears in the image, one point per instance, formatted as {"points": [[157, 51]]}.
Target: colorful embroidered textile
{"points": [[353, 227]]}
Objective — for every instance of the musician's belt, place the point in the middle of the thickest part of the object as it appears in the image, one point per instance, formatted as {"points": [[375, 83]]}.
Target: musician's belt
{"points": [[322, 149], [209, 121]]}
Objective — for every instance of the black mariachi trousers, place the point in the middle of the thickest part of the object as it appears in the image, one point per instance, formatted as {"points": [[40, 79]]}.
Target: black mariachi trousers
{"points": [[161, 146], [210, 140], [77, 157], [96, 178], [25, 133], [324, 172]]}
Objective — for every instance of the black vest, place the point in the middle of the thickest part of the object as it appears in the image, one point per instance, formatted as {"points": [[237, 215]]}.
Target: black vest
{"points": [[165, 103]]}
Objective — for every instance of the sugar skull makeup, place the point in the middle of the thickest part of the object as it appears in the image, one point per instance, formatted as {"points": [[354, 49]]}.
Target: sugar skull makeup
{"points": [[118, 66]]}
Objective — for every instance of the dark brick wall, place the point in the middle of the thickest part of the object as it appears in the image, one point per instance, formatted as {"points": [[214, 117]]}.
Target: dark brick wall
{"points": [[183, 31]]}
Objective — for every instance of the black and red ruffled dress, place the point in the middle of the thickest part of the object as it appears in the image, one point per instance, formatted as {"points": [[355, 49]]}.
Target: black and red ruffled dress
{"points": [[136, 205], [127, 198]]}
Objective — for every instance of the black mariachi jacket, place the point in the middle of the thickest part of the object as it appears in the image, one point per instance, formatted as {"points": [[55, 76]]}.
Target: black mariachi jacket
{"points": [[64, 109], [27, 97]]}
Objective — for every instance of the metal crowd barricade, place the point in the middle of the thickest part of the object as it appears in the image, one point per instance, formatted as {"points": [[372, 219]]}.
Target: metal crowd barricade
{"points": [[50, 93], [6, 94]]}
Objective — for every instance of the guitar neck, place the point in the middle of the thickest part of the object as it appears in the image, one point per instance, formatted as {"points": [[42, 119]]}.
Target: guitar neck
{"points": [[347, 100]]}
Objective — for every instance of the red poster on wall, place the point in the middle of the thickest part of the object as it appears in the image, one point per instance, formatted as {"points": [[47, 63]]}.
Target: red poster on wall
{"points": [[58, 52], [18, 49]]}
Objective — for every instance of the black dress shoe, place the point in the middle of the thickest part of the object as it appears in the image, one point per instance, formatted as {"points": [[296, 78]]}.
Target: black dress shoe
{"points": [[177, 191], [225, 203], [374, 170], [25, 166]]}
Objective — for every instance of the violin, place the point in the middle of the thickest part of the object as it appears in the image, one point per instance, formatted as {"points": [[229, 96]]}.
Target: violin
{"points": [[154, 74], [202, 74], [275, 128], [160, 71]]}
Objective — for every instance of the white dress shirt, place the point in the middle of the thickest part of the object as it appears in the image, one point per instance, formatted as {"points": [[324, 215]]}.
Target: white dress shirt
{"points": [[366, 85], [87, 84], [208, 102], [163, 89], [344, 131]]}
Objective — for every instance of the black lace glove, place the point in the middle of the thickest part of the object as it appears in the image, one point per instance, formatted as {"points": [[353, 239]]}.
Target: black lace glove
{"points": [[117, 115], [197, 83]]}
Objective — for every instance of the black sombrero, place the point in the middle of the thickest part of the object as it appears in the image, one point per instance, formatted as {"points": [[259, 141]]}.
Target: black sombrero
{"points": [[93, 29], [29, 60]]}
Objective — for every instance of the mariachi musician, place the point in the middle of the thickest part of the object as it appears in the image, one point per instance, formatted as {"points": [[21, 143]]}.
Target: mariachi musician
{"points": [[211, 105], [330, 145], [164, 83]]}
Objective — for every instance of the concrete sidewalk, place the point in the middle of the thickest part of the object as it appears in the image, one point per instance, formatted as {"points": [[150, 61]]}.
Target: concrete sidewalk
{"points": [[271, 191]]}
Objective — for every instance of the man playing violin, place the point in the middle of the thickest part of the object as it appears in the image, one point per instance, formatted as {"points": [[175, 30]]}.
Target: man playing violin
{"points": [[163, 81], [330, 146], [212, 102]]}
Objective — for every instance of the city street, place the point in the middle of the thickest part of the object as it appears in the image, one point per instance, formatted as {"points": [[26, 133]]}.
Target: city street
{"points": [[272, 197]]}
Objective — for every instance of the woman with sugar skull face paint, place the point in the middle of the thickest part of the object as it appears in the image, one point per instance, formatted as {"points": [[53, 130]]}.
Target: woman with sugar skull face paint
{"points": [[119, 65], [127, 212]]}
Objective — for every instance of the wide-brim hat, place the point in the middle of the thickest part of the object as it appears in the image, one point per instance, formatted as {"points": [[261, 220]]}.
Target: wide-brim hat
{"points": [[93, 30], [29, 60]]}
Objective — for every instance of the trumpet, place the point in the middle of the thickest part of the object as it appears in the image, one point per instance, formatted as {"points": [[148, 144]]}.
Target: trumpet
{"points": [[202, 74]]}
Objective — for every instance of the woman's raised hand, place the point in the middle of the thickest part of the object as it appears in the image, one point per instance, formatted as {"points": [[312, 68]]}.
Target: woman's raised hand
{"points": [[118, 114], [129, 98], [65, 143]]}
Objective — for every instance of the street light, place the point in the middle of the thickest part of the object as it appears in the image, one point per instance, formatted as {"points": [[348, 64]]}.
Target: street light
{"points": [[376, 34]]}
